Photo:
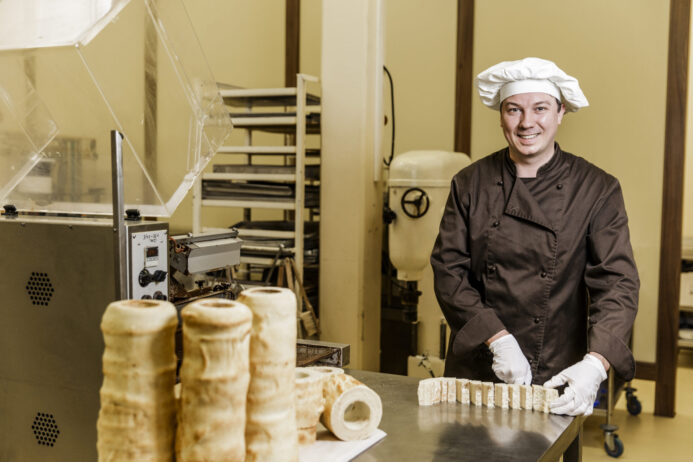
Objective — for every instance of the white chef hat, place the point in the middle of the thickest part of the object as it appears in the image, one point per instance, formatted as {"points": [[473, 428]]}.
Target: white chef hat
{"points": [[528, 75]]}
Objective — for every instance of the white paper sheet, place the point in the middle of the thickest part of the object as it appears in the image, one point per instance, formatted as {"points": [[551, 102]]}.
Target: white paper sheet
{"points": [[330, 448]]}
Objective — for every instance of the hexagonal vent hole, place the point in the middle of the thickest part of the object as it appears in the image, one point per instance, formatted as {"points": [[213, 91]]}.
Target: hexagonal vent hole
{"points": [[45, 429], [40, 289]]}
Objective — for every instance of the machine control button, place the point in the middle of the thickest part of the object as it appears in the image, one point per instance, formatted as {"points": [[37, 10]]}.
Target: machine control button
{"points": [[10, 211], [159, 276], [537, 320], [543, 274], [145, 278], [158, 295], [496, 224], [389, 215], [146, 297], [132, 215]]}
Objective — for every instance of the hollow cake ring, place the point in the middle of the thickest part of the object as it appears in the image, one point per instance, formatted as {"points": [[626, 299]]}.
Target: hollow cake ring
{"points": [[352, 410]]}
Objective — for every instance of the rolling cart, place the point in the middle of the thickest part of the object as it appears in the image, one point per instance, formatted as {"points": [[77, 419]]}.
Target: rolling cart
{"points": [[609, 392]]}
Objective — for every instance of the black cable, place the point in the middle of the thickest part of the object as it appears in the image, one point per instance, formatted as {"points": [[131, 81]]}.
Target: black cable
{"points": [[392, 107]]}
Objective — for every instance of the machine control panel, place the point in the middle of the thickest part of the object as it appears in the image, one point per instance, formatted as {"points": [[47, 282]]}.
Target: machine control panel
{"points": [[148, 263]]}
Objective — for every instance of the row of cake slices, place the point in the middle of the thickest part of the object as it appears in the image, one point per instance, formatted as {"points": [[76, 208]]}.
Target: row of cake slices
{"points": [[507, 396]]}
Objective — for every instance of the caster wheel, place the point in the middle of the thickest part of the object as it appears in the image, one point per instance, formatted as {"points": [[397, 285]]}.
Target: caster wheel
{"points": [[617, 450], [633, 405]]}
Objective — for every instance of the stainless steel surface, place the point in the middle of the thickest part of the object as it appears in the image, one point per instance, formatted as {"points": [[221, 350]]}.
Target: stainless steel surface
{"points": [[119, 237], [610, 398], [456, 432], [57, 279], [317, 352]]}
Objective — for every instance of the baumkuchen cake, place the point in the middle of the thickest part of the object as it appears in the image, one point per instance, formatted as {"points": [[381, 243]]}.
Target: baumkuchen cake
{"points": [[309, 403], [137, 416], [271, 432], [214, 381], [352, 410]]}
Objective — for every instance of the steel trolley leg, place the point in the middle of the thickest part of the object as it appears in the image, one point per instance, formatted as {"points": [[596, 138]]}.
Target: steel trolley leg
{"points": [[612, 443]]}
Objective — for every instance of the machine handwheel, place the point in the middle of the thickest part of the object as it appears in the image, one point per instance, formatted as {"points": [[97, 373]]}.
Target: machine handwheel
{"points": [[633, 405], [415, 202], [617, 449]]}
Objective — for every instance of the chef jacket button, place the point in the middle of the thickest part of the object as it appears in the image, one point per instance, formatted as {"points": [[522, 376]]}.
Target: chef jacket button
{"points": [[500, 183], [496, 223], [537, 320], [559, 186], [543, 274]]}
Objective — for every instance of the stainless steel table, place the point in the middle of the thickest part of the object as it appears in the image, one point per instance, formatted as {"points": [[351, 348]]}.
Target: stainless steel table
{"points": [[456, 432]]}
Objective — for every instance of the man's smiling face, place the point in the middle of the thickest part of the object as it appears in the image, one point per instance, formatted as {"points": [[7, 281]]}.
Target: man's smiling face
{"points": [[530, 122]]}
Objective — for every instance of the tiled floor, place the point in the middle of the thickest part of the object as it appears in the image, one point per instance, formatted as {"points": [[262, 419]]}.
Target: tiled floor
{"points": [[646, 437]]}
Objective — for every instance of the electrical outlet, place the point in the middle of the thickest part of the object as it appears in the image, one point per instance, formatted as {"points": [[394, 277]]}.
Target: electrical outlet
{"points": [[686, 297]]}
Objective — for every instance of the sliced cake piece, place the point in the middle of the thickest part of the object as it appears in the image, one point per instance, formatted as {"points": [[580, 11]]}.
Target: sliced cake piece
{"points": [[450, 388], [550, 394], [462, 391], [475, 392], [501, 395], [429, 392], [526, 397], [514, 396], [538, 398], [487, 393]]}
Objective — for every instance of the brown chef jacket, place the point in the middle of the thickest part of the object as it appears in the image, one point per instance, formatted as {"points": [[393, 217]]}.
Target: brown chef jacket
{"points": [[531, 256]]}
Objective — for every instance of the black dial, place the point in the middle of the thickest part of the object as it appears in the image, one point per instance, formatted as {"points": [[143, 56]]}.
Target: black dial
{"points": [[159, 296], [159, 276], [145, 278]]}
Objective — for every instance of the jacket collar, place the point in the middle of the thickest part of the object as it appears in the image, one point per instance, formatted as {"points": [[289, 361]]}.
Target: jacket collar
{"points": [[520, 202], [546, 169]]}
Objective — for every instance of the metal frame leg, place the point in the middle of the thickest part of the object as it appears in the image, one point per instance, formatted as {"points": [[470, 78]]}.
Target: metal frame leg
{"points": [[574, 451]]}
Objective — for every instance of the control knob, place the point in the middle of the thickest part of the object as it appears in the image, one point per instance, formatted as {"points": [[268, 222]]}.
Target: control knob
{"points": [[145, 277]]}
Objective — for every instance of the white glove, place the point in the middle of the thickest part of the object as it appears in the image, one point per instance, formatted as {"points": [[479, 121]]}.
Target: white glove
{"points": [[509, 363], [583, 381]]}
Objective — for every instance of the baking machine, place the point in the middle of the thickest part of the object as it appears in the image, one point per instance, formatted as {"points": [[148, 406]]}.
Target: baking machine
{"points": [[75, 76], [418, 186]]}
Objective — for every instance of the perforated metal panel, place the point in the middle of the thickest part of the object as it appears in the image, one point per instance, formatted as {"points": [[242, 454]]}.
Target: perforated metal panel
{"points": [[39, 288], [45, 429]]}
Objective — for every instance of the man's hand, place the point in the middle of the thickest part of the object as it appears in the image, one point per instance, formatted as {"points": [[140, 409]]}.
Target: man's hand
{"points": [[509, 363], [583, 381]]}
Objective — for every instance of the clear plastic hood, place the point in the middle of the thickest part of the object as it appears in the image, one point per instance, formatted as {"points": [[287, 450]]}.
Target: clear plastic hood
{"points": [[73, 70]]}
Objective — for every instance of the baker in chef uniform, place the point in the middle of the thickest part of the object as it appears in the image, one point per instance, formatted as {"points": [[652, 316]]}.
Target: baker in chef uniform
{"points": [[533, 265]]}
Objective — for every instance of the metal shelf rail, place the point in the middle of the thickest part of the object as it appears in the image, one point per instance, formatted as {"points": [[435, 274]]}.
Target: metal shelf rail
{"points": [[304, 120]]}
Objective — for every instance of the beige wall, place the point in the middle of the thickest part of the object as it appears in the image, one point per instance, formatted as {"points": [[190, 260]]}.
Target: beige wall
{"points": [[311, 37], [420, 53], [244, 45], [688, 186], [618, 51]]}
